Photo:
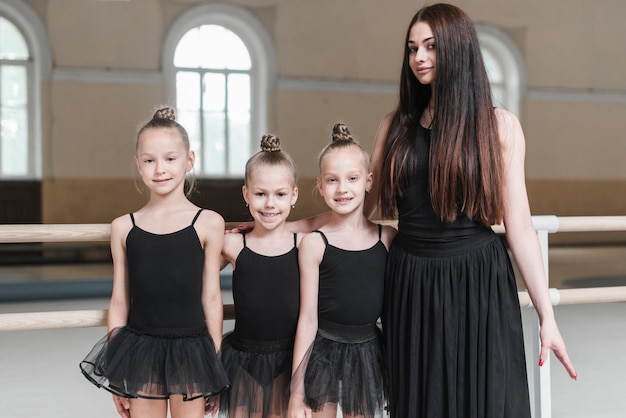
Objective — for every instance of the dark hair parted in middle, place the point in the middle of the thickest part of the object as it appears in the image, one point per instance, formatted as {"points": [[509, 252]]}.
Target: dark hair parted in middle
{"points": [[465, 174]]}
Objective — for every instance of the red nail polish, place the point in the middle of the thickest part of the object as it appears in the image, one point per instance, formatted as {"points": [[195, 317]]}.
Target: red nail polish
{"points": [[540, 362]]}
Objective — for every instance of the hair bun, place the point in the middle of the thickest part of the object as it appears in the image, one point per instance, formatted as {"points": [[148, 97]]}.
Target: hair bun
{"points": [[165, 113], [341, 133], [270, 143]]}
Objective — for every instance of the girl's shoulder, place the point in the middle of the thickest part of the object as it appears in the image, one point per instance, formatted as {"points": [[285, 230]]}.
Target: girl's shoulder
{"points": [[388, 233], [209, 226], [122, 220], [211, 219], [233, 244], [312, 240], [509, 130], [299, 237], [121, 225]]}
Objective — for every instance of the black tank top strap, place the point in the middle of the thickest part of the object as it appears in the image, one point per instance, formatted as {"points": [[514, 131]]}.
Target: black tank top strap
{"points": [[380, 231], [195, 218], [132, 218], [244, 240], [323, 236], [295, 239]]}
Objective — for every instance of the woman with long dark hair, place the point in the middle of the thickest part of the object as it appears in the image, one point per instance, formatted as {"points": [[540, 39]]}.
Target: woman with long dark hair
{"points": [[449, 165]]}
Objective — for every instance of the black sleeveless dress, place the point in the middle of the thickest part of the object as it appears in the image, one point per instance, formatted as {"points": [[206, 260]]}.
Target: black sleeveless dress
{"points": [[165, 348], [346, 361], [257, 355], [452, 319]]}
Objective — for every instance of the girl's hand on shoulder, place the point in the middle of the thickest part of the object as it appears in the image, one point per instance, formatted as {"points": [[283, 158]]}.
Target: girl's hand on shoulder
{"points": [[551, 340], [241, 228]]}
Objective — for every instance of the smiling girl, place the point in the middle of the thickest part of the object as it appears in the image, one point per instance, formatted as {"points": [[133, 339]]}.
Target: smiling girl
{"points": [[338, 354], [257, 354], [165, 315]]}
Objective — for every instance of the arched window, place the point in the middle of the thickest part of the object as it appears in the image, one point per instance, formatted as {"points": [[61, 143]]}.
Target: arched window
{"points": [[24, 62], [219, 60], [15, 73], [505, 67]]}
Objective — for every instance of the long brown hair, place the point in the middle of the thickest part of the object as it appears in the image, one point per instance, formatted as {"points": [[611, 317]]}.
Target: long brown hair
{"points": [[465, 174]]}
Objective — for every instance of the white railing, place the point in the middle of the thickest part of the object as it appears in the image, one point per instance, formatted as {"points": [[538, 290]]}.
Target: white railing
{"points": [[544, 225]]}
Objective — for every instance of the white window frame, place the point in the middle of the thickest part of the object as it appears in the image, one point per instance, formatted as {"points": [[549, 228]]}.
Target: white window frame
{"points": [[510, 61], [256, 39], [39, 68]]}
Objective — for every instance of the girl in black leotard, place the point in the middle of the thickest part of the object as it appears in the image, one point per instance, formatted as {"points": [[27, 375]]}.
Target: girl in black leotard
{"points": [[165, 314], [338, 350], [257, 354]]}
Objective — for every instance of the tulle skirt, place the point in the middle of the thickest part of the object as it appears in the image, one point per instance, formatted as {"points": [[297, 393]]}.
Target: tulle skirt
{"points": [[260, 374], [134, 364], [453, 331], [345, 366]]}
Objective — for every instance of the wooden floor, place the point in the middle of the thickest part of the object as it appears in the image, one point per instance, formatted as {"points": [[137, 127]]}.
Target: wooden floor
{"points": [[39, 375]]}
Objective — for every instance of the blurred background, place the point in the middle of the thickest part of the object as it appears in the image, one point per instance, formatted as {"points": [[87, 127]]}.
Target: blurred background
{"points": [[77, 78]]}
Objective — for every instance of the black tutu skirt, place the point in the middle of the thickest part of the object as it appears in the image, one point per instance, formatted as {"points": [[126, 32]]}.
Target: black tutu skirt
{"points": [[134, 364], [260, 374], [345, 366], [453, 331]]}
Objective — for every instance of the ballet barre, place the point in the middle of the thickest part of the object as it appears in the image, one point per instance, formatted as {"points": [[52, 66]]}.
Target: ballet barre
{"points": [[97, 318], [544, 225], [67, 319]]}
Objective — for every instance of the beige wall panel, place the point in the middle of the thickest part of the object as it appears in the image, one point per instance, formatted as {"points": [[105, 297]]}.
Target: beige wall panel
{"points": [[341, 39], [576, 140], [94, 126], [309, 201], [89, 200], [577, 44], [577, 197], [306, 118], [106, 34], [39, 6]]}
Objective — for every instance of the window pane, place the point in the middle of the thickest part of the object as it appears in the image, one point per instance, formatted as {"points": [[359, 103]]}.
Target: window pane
{"points": [[238, 92], [186, 54], [213, 104], [238, 141], [214, 143], [13, 102], [14, 141], [222, 49], [212, 47], [190, 120], [214, 92], [188, 91], [493, 68], [238, 122], [12, 43], [13, 86]]}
